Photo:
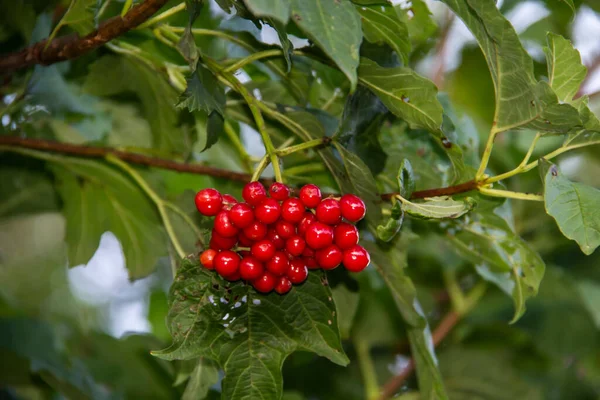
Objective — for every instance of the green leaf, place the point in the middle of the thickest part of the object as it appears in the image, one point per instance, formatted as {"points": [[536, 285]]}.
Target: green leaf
{"points": [[393, 225], [565, 70], [359, 128], [248, 334], [405, 93], [499, 256], [420, 21], [80, 16], [187, 43], [203, 377], [381, 24], [22, 189], [590, 296], [203, 92], [276, 9], [438, 208], [391, 265], [573, 205], [98, 199], [113, 75], [406, 179], [362, 182], [286, 44], [334, 26], [346, 304]]}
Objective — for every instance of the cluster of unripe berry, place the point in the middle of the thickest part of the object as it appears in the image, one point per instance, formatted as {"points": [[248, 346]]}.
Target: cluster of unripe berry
{"points": [[272, 239]]}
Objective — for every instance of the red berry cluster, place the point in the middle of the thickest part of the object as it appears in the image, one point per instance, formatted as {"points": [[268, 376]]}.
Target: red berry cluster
{"points": [[272, 239]]}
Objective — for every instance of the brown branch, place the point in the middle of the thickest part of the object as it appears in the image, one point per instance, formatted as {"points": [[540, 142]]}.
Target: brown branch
{"points": [[72, 46], [135, 158], [441, 331]]}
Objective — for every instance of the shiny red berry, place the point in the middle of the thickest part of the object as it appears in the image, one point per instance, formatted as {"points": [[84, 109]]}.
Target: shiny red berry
{"points": [[209, 202], [285, 229], [235, 277], [297, 271], [223, 225], [308, 252], [243, 240], [356, 258], [279, 191], [274, 237], [310, 195], [226, 263], [329, 211], [278, 265], [311, 262], [254, 193], [353, 208], [207, 258], [241, 214], [319, 235], [283, 285], [345, 235], [295, 245], [255, 231], [265, 283], [219, 242], [268, 211], [292, 210], [307, 219], [251, 268], [329, 257], [263, 250], [228, 201]]}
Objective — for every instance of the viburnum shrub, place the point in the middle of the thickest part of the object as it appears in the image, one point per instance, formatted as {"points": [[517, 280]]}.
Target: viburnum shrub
{"points": [[288, 252], [421, 143]]}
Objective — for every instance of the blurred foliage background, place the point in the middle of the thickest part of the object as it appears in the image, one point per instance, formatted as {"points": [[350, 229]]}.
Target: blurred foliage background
{"points": [[76, 323]]}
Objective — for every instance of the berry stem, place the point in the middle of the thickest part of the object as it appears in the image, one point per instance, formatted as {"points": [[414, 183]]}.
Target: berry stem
{"points": [[162, 16], [487, 152], [303, 146], [510, 195], [251, 58]]}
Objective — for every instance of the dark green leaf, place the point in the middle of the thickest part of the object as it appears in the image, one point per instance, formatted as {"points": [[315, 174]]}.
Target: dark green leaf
{"points": [[203, 377], [247, 333], [276, 9], [438, 208], [393, 225], [286, 43], [346, 304], [381, 24], [22, 189], [79, 16], [203, 92], [573, 205], [406, 179], [187, 44], [334, 25], [405, 93], [499, 256]]}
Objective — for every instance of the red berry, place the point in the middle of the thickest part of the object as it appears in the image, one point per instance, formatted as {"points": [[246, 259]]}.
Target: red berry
{"points": [[277, 240], [228, 201], [241, 214], [263, 250], [254, 193], [207, 258], [244, 253], [251, 268], [292, 210], [308, 252], [310, 195], [329, 212], [265, 283], [279, 191], [311, 262], [234, 277], [209, 202], [226, 263], [255, 231], [243, 240], [283, 285], [278, 265], [318, 235], [295, 245], [219, 242], [345, 235], [356, 258], [223, 225], [268, 211], [285, 229], [297, 271], [353, 208], [307, 219], [329, 257]]}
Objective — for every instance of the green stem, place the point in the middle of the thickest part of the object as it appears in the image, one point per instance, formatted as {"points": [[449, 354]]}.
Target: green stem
{"points": [[520, 167], [126, 7], [303, 169], [457, 297], [160, 205], [210, 32], [251, 58], [239, 146], [162, 16], [264, 162], [487, 152], [367, 369], [474, 295], [510, 195], [303, 146]]}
